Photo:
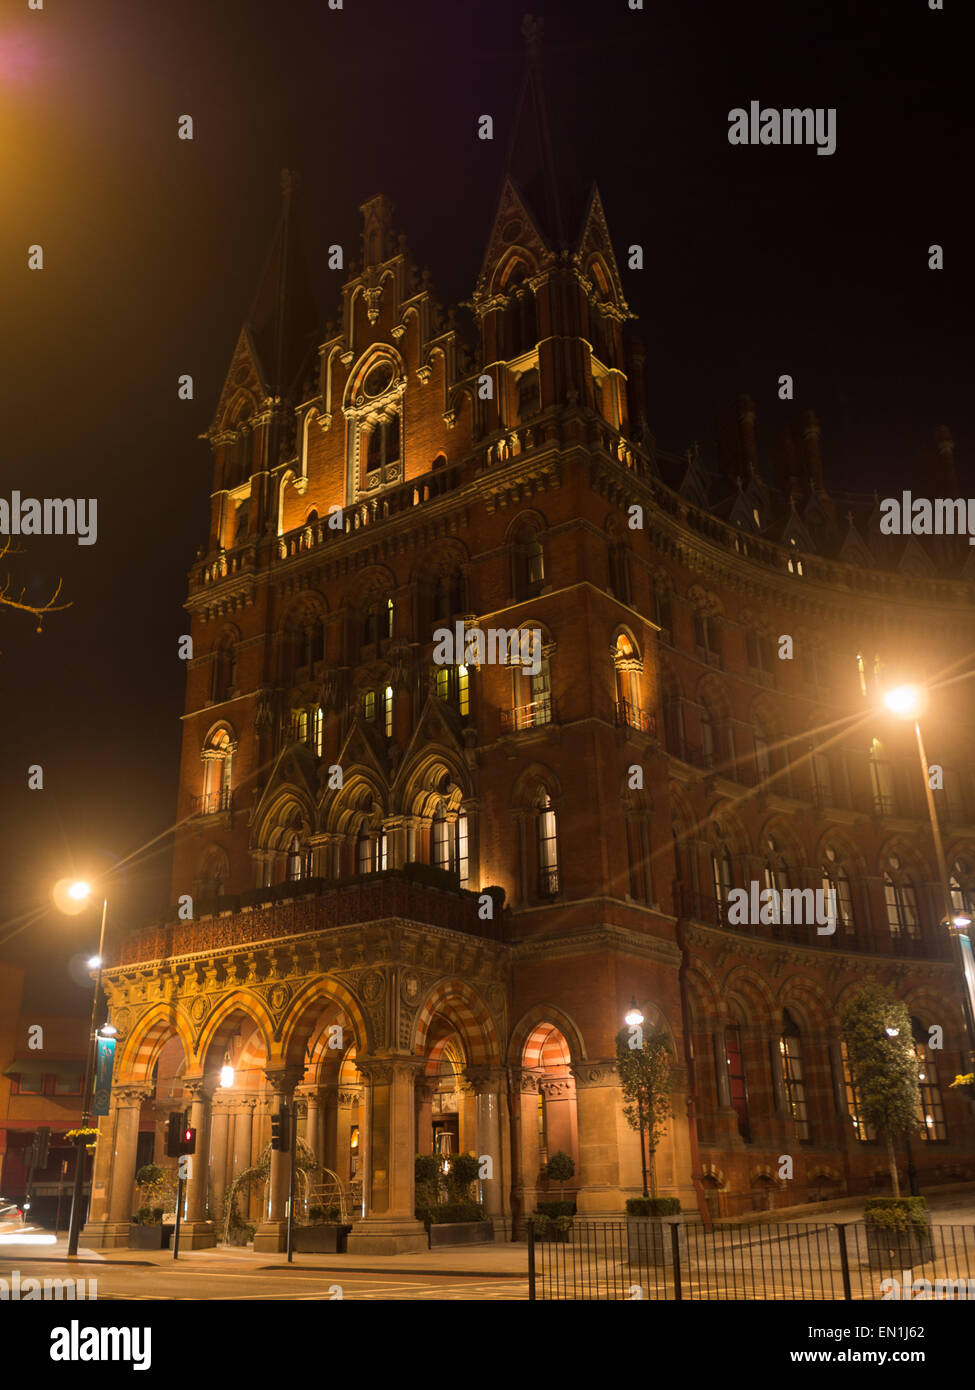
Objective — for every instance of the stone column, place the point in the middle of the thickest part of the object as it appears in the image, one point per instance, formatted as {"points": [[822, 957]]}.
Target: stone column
{"points": [[109, 1222], [525, 1155], [271, 1234], [219, 1137], [423, 1091], [197, 1231], [389, 1226], [487, 1083], [313, 1122], [243, 1125], [605, 1140], [328, 1125], [346, 1097]]}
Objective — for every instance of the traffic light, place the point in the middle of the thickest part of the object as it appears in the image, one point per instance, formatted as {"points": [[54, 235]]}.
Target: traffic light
{"points": [[180, 1137], [279, 1132], [42, 1144]]}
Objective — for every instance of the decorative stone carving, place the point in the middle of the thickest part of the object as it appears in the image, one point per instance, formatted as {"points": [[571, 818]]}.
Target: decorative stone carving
{"points": [[410, 987], [372, 986]]}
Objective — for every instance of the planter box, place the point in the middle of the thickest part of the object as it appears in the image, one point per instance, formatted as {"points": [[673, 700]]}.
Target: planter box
{"points": [[322, 1238], [552, 1233], [897, 1250], [150, 1237], [649, 1242], [461, 1233]]}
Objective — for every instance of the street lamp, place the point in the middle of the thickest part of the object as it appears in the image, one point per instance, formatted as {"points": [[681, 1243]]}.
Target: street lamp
{"points": [[79, 893], [910, 702], [633, 1018]]}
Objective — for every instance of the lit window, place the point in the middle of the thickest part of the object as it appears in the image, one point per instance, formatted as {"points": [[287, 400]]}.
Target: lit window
{"points": [[369, 706], [388, 710], [736, 1080], [548, 849], [900, 900], [931, 1110], [864, 1132], [319, 731], [792, 1073], [862, 673], [463, 690]]}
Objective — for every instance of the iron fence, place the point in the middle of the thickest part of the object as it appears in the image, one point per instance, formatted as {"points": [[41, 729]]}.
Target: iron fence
{"points": [[640, 1259]]}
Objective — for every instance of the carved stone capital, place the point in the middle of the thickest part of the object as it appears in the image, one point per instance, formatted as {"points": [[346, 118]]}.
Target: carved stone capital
{"points": [[132, 1094], [283, 1080], [597, 1072], [197, 1088], [485, 1080]]}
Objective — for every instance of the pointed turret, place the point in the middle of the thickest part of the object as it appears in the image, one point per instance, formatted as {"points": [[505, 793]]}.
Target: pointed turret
{"points": [[283, 317]]}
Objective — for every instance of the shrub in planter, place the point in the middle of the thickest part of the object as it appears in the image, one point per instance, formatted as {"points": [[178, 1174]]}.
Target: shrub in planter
{"points": [[316, 1213], [241, 1235], [462, 1171], [456, 1211], [555, 1209], [898, 1231], [654, 1207], [648, 1230], [560, 1168]]}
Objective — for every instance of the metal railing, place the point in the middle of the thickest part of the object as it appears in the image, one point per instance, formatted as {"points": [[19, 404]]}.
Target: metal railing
{"points": [[211, 802], [677, 1260], [632, 717], [530, 716]]}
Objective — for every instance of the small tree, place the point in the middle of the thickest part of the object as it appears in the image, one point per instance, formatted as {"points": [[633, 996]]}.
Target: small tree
{"points": [[560, 1168], [883, 1068], [461, 1173], [645, 1080], [155, 1186]]}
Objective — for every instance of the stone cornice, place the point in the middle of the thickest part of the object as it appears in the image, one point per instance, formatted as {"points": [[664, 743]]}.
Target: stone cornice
{"points": [[584, 940], [727, 943]]}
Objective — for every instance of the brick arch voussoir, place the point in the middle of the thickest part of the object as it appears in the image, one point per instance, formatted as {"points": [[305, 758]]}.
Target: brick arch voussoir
{"points": [[303, 1017], [541, 1014], [221, 1022], [152, 1032], [463, 1006]]}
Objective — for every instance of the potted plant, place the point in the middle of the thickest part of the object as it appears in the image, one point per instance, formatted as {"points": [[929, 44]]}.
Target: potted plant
{"points": [[898, 1232], [148, 1231], [444, 1203], [325, 1233], [648, 1230]]}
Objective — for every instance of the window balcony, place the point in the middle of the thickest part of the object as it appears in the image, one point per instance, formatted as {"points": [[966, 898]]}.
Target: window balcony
{"points": [[530, 716], [212, 802], [630, 716]]}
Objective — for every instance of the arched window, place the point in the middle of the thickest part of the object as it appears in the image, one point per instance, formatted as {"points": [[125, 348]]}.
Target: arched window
{"points": [[383, 448], [319, 740], [775, 878], [900, 900], [365, 853], [663, 614], [707, 737], [217, 773], [737, 1081], [793, 1075], [369, 706], [529, 398], [838, 893], [707, 638], [548, 847], [224, 669], [533, 695], [931, 1110]]}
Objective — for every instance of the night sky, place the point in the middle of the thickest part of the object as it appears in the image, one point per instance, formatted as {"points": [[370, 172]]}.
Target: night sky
{"points": [[759, 261]]}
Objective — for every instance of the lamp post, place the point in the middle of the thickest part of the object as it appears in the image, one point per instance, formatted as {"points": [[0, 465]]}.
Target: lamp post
{"points": [[634, 1018], [907, 702], [79, 892]]}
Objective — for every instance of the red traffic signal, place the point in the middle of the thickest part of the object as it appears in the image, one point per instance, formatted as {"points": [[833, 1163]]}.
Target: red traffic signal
{"points": [[188, 1141]]}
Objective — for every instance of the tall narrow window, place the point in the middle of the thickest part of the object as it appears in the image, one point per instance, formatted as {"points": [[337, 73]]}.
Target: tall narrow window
{"points": [[736, 1080], [534, 562], [463, 854], [662, 614], [721, 879], [298, 864], [839, 896], [364, 853], [861, 673], [548, 848], [793, 1075], [763, 763], [439, 842], [463, 690], [882, 780], [864, 1131], [369, 706], [931, 1110], [900, 899], [707, 738], [822, 780], [319, 731], [388, 711], [389, 617]]}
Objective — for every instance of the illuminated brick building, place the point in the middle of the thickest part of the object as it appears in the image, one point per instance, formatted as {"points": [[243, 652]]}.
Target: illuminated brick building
{"points": [[661, 587]]}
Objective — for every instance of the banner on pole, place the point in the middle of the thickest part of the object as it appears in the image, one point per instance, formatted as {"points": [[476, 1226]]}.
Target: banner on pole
{"points": [[104, 1061]]}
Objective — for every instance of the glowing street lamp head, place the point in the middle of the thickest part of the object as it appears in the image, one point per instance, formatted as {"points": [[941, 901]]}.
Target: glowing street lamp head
{"points": [[79, 890], [961, 920], [633, 1016], [94, 962], [892, 1032], [226, 1076], [905, 701]]}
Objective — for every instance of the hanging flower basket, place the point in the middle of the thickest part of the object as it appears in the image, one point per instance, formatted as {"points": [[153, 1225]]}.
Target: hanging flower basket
{"points": [[83, 1138]]}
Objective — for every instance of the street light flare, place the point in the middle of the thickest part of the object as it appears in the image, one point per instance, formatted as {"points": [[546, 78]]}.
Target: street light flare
{"points": [[904, 700]]}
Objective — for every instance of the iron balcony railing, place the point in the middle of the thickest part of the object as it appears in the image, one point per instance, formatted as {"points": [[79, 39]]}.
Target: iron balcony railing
{"points": [[630, 716], [530, 716], [211, 802]]}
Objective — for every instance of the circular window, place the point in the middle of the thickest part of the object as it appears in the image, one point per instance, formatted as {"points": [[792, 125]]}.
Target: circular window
{"points": [[512, 231], [378, 379]]}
